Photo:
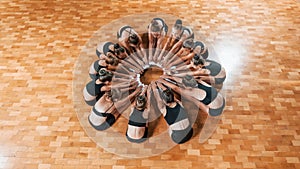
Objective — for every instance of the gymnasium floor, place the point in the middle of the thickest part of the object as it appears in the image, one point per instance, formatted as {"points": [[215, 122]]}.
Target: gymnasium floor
{"points": [[257, 42]]}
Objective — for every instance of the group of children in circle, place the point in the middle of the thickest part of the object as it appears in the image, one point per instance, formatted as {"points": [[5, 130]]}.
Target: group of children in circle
{"points": [[115, 83]]}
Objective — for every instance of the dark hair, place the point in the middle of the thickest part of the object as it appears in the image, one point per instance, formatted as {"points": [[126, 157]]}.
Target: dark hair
{"points": [[118, 49], [133, 38], [116, 46], [102, 72], [105, 75], [141, 102], [122, 50], [196, 57], [189, 81], [198, 60], [168, 96]]}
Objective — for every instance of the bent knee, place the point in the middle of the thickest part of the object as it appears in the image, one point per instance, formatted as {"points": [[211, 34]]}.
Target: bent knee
{"points": [[109, 121], [182, 136], [217, 111], [220, 80]]}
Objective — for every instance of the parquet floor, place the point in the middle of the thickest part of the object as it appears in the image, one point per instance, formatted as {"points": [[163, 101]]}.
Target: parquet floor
{"points": [[258, 43]]}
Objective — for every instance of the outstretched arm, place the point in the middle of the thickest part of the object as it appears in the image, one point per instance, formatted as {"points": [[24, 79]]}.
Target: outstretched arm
{"points": [[161, 106], [174, 61], [129, 88], [183, 66], [133, 95], [121, 80], [159, 46], [126, 85], [176, 47], [124, 69], [200, 72], [176, 80], [144, 90], [174, 87], [180, 60], [173, 58], [123, 75], [151, 45], [148, 94], [165, 48], [131, 63], [192, 73], [138, 57]]}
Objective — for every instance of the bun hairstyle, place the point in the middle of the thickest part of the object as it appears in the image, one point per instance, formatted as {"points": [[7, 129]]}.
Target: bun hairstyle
{"points": [[141, 102], [116, 46], [118, 49], [102, 72], [196, 57], [189, 81], [198, 60], [105, 75], [133, 38], [168, 96]]}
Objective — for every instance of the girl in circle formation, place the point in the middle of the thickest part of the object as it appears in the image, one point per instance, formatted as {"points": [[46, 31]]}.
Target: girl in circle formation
{"points": [[115, 84]]}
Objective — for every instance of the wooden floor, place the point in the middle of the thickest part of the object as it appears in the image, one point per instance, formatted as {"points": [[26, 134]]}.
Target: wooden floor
{"points": [[42, 46]]}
